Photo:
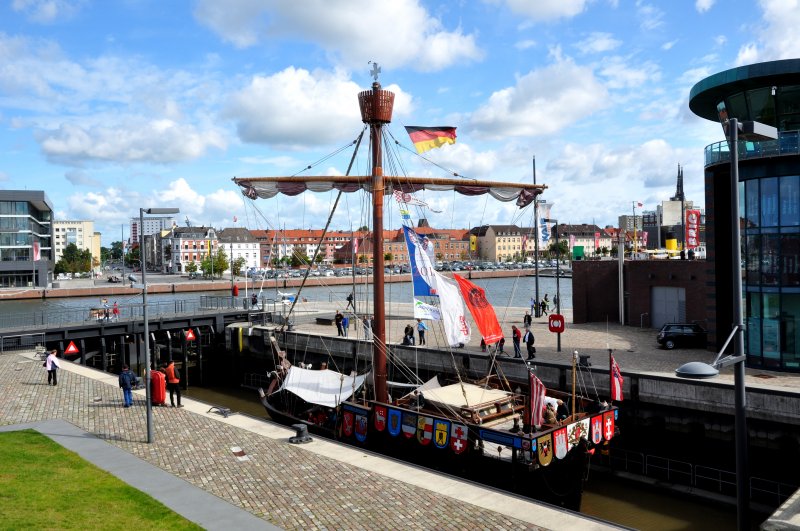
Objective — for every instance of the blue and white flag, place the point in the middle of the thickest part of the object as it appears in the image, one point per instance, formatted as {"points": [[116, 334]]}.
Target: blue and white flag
{"points": [[420, 256]]}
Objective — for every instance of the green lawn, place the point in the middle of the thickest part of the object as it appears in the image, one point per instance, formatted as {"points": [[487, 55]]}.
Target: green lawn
{"points": [[44, 486]]}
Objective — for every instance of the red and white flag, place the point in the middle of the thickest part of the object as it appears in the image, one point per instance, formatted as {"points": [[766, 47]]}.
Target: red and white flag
{"points": [[537, 400], [482, 312], [616, 381], [640, 205], [355, 245]]}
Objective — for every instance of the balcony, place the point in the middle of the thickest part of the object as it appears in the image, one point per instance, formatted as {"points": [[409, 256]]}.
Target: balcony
{"points": [[788, 143]]}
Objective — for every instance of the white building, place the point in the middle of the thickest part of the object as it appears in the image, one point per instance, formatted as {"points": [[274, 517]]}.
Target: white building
{"points": [[81, 233], [240, 243], [152, 225]]}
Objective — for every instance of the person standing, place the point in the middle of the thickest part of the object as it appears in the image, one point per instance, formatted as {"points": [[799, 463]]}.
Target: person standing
{"points": [[529, 340], [338, 320], [543, 307], [52, 365], [516, 335], [421, 328], [527, 320], [106, 310], [350, 303], [254, 301], [127, 380], [367, 328], [345, 324], [173, 383], [115, 311], [533, 305]]}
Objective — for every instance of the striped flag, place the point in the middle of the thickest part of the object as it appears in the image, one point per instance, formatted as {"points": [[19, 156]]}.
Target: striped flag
{"points": [[616, 380], [427, 138], [537, 400], [355, 245]]}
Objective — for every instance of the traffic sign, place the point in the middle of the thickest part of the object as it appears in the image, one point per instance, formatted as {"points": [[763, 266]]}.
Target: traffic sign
{"points": [[556, 323], [190, 335], [71, 348]]}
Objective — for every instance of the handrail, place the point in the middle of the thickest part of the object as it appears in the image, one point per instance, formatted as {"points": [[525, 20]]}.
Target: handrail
{"points": [[788, 143]]}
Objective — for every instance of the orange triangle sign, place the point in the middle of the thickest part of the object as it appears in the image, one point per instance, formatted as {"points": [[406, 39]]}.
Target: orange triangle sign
{"points": [[190, 335], [71, 348]]}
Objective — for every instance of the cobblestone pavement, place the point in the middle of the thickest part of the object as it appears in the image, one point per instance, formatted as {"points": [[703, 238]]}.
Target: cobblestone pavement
{"points": [[316, 486]]}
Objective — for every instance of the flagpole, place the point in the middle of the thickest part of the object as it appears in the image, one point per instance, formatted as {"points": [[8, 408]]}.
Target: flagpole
{"points": [[536, 245]]}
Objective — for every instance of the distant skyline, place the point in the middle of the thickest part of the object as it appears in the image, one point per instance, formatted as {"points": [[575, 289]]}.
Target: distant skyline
{"points": [[114, 105]]}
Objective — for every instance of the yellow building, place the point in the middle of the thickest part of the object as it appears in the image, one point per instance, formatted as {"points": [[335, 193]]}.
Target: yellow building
{"points": [[81, 233]]}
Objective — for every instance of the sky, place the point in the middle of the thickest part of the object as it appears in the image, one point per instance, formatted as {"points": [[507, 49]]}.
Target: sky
{"points": [[113, 105]]}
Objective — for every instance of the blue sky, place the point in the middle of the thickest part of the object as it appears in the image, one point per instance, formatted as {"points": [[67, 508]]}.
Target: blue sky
{"points": [[114, 105]]}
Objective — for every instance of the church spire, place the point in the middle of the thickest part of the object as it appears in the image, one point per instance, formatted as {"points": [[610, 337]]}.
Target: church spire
{"points": [[679, 190]]}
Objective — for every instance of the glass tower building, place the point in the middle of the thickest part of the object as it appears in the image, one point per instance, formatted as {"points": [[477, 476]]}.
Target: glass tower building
{"points": [[26, 254], [769, 194]]}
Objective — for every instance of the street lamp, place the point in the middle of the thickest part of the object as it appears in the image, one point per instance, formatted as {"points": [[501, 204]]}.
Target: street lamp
{"points": [[558, 275], [143, 261], [754, 131]]}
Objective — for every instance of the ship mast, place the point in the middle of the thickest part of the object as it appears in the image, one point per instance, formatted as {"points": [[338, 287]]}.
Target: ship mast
{"points": [[376, 111]]}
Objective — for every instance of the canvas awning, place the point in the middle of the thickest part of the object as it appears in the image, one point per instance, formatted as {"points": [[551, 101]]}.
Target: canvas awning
{"points": [[324, 388]]}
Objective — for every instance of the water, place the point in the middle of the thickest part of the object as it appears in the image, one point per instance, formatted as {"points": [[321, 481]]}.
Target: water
{"points": [[501, 292]]}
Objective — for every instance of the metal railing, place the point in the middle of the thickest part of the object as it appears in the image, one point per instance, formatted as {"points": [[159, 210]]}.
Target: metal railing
{"points": [[788, 143], [705, 478], [77, 316], [19, 342]]}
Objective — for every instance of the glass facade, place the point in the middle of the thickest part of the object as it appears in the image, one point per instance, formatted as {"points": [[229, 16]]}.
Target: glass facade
{"points": [[24, 232], [771, 248]]}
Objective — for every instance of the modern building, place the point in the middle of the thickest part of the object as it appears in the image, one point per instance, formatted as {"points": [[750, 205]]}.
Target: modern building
{"points": [[81, 233], [769, 184], [26, 250], [151, 225]]}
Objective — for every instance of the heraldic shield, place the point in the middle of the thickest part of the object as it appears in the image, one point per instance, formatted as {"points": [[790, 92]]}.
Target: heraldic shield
{"points": [[394, 422], [597, 429], [608, 425], [577, 431], [361, 427], [409, 424], [380, 418], [348, 423], [560, 444], [441, 432], [458, 438], [424, 430], [545, 444]]}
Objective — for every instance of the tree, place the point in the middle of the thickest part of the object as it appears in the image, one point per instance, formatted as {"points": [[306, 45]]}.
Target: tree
{"points": [[388, 257], [191, 267], [74, 260], [299, 258], [115, 251], [238, 264], [221, 262], [363, 228]]}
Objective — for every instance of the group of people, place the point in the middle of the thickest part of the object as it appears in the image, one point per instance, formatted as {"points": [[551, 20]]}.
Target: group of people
{"points": [[543, 305], [517, 337], [108, 311], [128, 382], [408, 333]]}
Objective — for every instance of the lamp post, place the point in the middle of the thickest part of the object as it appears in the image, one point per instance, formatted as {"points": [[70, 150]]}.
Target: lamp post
{"points": [[750, 130], [558, 275], [149, 405]]}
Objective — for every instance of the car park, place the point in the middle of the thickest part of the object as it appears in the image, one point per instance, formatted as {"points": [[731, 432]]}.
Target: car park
{"points": [[684, 335]]}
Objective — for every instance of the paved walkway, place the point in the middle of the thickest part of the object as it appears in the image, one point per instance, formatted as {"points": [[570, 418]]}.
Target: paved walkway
{"points": [[321, 485]]}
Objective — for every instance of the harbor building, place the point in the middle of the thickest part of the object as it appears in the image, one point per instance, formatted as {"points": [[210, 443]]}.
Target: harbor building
{"points": [[769, 192], [80, 233], [26, 250]]}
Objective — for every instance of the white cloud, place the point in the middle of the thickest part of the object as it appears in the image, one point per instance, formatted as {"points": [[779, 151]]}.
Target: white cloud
{"points": [[407, 34], [541, 103], [547, 10], [650, 17], [621, 75], [781, 18], [81, 178], [295, 108], [131, 139], [47, 11], [669, 45], [525, 44], [3, 176], [703, 5], [598, 42]]}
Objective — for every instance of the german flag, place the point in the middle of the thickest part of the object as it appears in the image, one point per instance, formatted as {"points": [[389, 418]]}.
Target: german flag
{"points": [[427, 138]]}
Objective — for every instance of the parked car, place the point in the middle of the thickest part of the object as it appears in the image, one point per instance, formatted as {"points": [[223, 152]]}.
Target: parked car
{"points": [[674, 335]]}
